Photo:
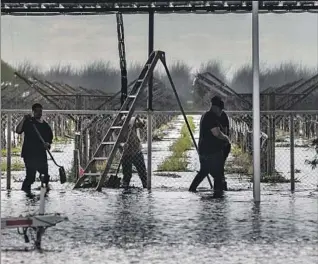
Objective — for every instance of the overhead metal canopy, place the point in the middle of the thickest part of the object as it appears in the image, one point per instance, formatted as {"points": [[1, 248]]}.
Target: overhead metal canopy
{"points": [[105, 7]]}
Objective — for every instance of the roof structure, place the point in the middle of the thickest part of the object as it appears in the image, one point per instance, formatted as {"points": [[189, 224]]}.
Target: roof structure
{"points": [[82, 7]]}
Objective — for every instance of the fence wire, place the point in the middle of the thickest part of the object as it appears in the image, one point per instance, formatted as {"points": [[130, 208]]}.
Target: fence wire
{"points": [[174, 160]]}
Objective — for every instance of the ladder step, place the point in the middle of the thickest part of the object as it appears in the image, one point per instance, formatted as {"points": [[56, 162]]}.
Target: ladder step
{"points": [[116, 127], [109, 143], [100, 158], [124, 112], [96, 174], [132, 96]]}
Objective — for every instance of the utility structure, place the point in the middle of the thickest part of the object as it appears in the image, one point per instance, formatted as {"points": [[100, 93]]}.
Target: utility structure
{"points": [[49, 7]]}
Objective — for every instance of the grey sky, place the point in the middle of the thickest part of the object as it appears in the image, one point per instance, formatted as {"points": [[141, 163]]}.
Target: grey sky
{"points": [[191, 38]]}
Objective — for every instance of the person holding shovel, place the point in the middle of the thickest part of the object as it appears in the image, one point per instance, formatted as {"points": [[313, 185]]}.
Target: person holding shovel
{"points": [[33, 149]]}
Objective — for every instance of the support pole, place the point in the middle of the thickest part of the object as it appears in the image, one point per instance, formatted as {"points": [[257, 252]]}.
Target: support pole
{"points": [[78, 126], [76, 163], [256, 106], [42, 200], [9, 129], [122, 57], [292, 153], [150, 95], [182, 111]]}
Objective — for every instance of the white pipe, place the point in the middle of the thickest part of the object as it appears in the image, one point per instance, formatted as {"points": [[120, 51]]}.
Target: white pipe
{"points": [[256, 106], [42, 200]]}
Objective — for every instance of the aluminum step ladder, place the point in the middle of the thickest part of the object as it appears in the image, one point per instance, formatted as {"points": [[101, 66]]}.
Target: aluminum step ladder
{"points": [[119, 125]]}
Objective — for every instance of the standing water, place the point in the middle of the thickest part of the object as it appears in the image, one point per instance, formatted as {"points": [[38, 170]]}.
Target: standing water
{"points": [[168, 225]]}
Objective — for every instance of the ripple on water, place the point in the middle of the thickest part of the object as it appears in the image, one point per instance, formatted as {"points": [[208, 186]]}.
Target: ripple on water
{"points": [[170, 227]]}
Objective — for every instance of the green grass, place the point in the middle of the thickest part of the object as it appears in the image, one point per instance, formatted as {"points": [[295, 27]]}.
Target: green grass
{"points": [[178, 160], [160, 133], [175, 162], [16, 151], [242, 164], [15, 166], [275, 178]]}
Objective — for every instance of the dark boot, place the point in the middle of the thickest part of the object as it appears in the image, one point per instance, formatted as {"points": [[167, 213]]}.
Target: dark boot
{"points": [[26, 187], [218, 188], [125, 185], [218, 194], [225, 185]]}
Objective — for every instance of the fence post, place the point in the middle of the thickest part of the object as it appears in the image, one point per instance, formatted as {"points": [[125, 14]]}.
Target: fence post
{"points": [[256, 105], [9, 129], [85, 147], [76, 164], [149, 151], [292, 153]]}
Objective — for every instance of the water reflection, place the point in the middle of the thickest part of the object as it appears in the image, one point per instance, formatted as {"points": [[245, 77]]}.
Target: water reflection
{"points": [[133, 219], [256, 221], [173, 227], [291, 209], [212, 224]]}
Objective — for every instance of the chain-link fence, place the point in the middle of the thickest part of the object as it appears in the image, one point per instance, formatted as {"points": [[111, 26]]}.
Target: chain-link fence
{"points": [[286, 148]]}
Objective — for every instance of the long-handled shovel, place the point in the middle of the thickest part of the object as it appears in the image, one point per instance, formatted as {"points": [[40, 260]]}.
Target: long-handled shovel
{"points": [[61, 168]]}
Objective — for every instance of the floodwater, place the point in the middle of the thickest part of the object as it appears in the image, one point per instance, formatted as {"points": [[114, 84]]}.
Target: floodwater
{"points": [[168, 224], [165, 226]]}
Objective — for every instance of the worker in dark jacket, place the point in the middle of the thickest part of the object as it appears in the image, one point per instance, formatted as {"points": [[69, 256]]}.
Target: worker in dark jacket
{"points": [[225, 128], [211, 145], [33, 150]]}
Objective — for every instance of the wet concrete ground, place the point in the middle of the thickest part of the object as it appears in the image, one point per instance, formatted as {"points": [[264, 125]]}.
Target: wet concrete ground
{"points": [[169, 226]]}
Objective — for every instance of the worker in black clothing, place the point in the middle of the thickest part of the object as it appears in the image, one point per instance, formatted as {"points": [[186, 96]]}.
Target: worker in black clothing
{"points": [[225, 128], [211, 145], [33, 150]]}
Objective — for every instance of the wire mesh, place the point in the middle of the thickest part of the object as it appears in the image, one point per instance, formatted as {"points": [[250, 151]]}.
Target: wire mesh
{"points": [[174, 158]]}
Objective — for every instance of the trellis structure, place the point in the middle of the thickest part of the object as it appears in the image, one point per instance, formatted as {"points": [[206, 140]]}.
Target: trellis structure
{"points": [[61, 96], [285, 97], [53, 95]]}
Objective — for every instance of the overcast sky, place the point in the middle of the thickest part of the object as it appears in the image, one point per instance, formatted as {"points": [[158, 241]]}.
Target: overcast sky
{"points": [[191, 38]]}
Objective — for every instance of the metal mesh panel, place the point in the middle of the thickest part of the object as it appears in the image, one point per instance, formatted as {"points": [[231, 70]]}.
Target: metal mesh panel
{"points": [[174, 158]]}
